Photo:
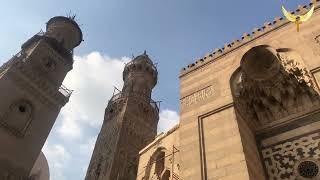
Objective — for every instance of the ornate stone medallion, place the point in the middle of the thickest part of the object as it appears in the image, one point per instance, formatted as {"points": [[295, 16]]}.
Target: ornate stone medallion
{"points": [[306, 169]]}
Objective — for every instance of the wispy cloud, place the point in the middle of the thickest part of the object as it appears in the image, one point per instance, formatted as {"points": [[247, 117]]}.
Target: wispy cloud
{"points": [[58, 159], [92, 79]]}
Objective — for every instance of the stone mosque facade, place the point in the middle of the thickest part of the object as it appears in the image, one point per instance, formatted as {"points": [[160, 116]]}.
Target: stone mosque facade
{"points": [[250, 110]]}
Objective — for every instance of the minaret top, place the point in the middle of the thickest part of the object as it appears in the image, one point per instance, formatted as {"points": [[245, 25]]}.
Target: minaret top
{"points": [[65, 30], [142, 65], [143, 58]]}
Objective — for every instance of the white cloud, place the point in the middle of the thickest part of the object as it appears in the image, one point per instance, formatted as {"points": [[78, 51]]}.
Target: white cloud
{"points": [[70, 128], [167, 119], [92, 79], [87, 148], [57, 158]]}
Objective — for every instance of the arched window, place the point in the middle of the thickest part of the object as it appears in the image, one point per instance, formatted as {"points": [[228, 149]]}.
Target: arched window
{"points": [[166, 175], [156, 164], [159, 163]]}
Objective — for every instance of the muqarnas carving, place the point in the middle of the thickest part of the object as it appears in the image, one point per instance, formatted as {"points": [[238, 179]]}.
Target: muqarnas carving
{"points": [[272, 84]]}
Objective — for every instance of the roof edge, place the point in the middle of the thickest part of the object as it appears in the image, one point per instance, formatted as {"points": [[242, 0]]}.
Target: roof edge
{"points": [[159, 137], [267, 27]]}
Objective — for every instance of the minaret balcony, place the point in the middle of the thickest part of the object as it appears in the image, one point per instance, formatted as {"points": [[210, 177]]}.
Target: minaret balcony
{"points": [[133, 62], [65, 91], [121, 95]]}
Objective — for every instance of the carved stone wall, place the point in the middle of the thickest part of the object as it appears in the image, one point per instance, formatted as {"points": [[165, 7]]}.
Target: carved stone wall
{"points": [[156, 160], [17, 117], [273, 84], [103, 155], [295, 158]]}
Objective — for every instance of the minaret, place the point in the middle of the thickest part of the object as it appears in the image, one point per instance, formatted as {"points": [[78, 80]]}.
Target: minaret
{"points": [[32, 94], [130, 123]]}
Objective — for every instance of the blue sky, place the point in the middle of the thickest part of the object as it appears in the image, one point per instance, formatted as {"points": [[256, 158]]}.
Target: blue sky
{"points": [[174, 33]]}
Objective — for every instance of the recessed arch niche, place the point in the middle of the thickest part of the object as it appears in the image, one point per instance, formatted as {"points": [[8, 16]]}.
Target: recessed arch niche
{"points": [[157, 165], [274, 96]]}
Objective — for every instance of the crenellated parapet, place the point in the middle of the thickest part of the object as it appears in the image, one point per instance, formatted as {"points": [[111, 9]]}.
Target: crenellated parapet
{"points": [[245, 38]]}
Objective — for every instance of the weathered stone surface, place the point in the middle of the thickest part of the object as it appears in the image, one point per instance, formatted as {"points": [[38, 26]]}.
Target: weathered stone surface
{"points": [[130, 123], [265, 98], [161, 158], [32, 95]]}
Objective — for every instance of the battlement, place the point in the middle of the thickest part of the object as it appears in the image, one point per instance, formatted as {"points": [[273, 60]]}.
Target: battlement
{"points": [[154, 104], [245, 38]]}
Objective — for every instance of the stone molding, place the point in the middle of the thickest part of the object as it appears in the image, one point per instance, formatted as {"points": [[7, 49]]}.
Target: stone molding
{"points": [[202, 142], [27, 77]]}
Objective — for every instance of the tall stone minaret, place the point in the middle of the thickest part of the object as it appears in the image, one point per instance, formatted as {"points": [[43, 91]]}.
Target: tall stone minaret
{"points": [[31, 94], [130, 123]]}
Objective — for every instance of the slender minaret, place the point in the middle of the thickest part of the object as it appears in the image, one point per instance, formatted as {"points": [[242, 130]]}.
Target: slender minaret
{"points": [[31, 94], [130, 123]]}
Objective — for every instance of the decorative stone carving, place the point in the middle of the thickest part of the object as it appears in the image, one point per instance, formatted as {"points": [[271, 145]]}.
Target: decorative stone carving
{"points": [[307, 169], [272, 84], [197, 97], [297, 157]]}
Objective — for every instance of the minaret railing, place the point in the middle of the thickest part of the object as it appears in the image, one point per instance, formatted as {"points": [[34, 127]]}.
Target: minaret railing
{"points": [[65, 91], [153, 103]]}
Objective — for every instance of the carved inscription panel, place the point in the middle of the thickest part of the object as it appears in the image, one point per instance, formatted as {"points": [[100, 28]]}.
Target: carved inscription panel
{"points": [[197, 97], [296, 158]]}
